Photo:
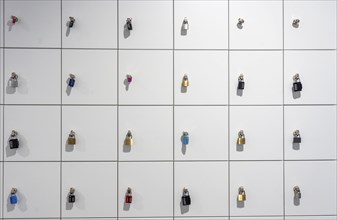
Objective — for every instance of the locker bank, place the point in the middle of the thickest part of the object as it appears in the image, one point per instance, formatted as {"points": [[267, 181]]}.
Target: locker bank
{"points": [[168, 109]]}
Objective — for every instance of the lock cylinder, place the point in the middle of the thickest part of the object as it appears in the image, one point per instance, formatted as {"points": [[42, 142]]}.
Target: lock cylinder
{"points": [[128, 195], [297, 192], [297, 85], [13, 198], [297, 137], [185, 82], [241, 195], [72, 138], [241, 138], [128, 139], [13, 140], [186, 198], [241, 83], [185, 26]]}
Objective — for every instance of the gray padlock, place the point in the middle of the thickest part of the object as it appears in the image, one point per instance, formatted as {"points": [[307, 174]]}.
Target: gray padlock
{"points": [[13, 80]]}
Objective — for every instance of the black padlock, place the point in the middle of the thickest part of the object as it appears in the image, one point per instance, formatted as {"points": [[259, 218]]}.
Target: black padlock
{"points": [[13, 141], [297, 86], [241, 84], [71, 198], [71, 195], [71, 22], [186, 199], [129, 24]]}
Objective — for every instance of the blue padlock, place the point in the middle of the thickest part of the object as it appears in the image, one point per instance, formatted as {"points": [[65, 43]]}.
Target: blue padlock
{"points": [[185, 138], [13, 197], [71, 81]]}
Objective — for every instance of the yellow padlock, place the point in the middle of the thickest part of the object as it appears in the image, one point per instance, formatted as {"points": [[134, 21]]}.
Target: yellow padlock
{"points": [[241, 139], [128, 139], [241, 195], [72, 138], [185, 82]]}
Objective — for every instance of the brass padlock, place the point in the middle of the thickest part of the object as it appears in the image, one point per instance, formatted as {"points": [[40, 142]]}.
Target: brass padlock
{"points": [[128, 139], [241, 139], [242, 194], [185, 82], [72, 138]]}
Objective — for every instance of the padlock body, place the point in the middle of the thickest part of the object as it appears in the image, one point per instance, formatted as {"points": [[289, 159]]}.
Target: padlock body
{"points": [[129, 25], [71, 24], [241, 197], [186, 140], [241, 85], [297, 140], [71, 82], [71, 198], [241, 141], [185, 83], [13, 83], [128, 141], [129, 79], [186, 200], [13, 199], [14, 143], [71, 141], [297, 86], [128, 199], [185, 26]]}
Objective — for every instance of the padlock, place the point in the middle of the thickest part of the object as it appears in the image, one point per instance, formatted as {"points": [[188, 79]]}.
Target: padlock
{"points": [[185, 138], [241, 84], [13, 140], [13, 80], [13, 198], [242, 194], [72, 138], [297, 192], [71, 81], [185, 82], [14, 19], [128, 139], [241, 139], [186, 26], [71, 196], [129, 78], [129, 23], [128, 195], [296, 22], [297, 137], [186, 199], [71, 22], [297, 85]]}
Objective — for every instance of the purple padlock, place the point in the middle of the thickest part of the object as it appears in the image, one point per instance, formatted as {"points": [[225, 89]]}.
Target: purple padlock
{"points": [[129, 78]]}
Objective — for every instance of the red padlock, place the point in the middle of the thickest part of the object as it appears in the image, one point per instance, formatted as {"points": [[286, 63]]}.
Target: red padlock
{"points": [[128, 196], [14, 19]]}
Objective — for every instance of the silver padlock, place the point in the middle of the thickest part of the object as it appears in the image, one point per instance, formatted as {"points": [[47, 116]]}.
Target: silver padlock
{"points": [[185, 24], [13, 80]]}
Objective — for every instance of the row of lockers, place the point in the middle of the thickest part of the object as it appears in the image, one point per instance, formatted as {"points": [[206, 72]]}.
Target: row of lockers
{"points": [[158, 135], [155, 80], [99, 193], [160, 24]]}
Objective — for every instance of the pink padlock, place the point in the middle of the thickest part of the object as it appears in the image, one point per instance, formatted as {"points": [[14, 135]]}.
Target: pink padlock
{"points": [[129, 78]]}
